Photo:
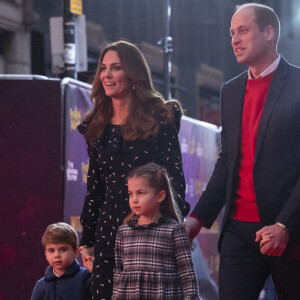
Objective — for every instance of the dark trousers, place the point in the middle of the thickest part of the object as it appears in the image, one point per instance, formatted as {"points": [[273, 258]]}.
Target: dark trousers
{"points": [[244, 270]]}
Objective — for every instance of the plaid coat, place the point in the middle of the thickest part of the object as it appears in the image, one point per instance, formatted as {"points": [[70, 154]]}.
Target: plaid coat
{"points": [[153, 262]]}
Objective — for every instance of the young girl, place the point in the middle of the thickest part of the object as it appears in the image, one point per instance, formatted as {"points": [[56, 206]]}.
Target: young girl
{"points": [[152, 252]]}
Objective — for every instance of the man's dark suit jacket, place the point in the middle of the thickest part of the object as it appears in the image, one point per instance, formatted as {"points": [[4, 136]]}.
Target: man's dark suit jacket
{"points": [[276, 171]]}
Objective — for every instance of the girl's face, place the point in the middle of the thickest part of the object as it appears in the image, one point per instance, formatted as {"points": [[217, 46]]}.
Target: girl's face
{"points": [[144, 200], [113, 77]]}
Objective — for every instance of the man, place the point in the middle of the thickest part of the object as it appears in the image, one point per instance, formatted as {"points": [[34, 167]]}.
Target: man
{"points": [[257, 175]]}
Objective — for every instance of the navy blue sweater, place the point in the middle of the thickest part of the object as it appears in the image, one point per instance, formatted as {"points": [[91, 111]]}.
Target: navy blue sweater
{"points": [[73, 284]]}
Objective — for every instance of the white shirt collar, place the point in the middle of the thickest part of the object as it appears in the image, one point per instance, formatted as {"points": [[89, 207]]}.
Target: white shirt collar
{"points": [[55, 274], [271, 68]]}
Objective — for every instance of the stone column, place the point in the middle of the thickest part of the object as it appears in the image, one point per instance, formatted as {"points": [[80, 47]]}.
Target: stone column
{"points": [[18, 53], [16, 20]]}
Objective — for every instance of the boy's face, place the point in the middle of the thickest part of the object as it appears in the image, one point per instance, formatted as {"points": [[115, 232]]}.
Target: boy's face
{"points": [[60, 256]]}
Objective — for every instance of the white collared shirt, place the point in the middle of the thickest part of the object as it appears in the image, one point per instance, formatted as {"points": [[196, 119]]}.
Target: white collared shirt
{"points": [[271, 68], [55, 273]]}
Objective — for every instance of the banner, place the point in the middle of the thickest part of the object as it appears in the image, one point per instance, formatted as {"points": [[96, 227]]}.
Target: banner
{"points": [[199, 142], [77, 106]]}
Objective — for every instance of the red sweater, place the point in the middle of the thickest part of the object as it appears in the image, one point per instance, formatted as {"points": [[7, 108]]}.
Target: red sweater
{"points": [[245, 208]]}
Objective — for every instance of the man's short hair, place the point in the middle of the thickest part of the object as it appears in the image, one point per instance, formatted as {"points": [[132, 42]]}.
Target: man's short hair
{"points": [[265, 16], [58, 233]]}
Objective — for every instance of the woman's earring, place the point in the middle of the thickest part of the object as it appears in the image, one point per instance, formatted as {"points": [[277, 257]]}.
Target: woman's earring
{"points": [[133, 86]]}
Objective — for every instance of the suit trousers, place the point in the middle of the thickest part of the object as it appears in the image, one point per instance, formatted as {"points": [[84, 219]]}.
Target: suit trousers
{"points": [[244, 269]]}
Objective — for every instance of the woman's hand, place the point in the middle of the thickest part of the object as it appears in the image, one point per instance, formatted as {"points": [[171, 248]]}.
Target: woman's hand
{"points": [[87, 258]]}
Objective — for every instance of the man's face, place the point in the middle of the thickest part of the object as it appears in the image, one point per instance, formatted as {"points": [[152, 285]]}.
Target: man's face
{"points": [[250, 45]]}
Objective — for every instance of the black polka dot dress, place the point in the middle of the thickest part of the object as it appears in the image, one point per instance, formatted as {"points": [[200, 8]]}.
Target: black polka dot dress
{"points": [[106, 202]]}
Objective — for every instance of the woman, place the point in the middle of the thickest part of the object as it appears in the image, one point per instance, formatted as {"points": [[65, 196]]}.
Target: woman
{"points": [[131, 124]]}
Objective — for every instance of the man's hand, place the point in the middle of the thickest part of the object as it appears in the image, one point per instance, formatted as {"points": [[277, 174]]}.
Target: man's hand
{"points": [[273, 240], [192, 227]]}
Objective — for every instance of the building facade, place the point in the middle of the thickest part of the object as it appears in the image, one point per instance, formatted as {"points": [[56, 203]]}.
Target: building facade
{"points": [[202, 57]]}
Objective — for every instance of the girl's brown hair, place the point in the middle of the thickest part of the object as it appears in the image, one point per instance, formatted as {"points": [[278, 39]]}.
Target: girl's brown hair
{"points": [[158, 179], [147, 102]]}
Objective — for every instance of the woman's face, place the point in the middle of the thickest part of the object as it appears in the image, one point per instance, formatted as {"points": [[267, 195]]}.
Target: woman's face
{"points": [[113, 77]]}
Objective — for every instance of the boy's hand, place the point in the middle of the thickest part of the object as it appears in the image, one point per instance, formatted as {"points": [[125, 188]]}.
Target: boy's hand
{"points": [[90, 266]]}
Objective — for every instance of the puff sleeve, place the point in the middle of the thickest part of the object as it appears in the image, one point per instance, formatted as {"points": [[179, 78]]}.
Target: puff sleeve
{"points": [[169, 149]]}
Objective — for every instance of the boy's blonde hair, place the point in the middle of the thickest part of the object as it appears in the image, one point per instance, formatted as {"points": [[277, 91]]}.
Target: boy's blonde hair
{"points": [[60, 233]]}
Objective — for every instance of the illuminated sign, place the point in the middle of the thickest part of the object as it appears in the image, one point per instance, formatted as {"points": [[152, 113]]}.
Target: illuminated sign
{"points": [[76, 7]]}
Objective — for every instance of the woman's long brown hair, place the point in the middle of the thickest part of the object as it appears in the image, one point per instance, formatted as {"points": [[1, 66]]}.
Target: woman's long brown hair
{"points": [[147, 102]]}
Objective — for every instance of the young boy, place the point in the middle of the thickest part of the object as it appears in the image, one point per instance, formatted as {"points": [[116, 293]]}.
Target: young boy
{"points": [[64, 278]]}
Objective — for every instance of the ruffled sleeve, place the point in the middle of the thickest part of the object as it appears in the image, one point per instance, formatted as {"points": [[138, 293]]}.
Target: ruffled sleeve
{"points": [[169, 149], [82, 126], [94, 196], [177, 117]]}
